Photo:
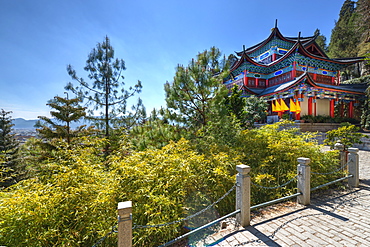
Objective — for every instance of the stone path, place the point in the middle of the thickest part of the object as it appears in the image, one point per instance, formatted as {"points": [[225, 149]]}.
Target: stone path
{"points": [[334, 218]]}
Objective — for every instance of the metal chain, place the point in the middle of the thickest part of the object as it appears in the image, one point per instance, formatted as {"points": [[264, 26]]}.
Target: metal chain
{"points": [[190, 216], [276, 187], [103, 238], [332, 172]]}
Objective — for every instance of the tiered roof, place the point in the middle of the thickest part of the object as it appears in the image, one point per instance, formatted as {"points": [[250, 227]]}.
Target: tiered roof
{"points": [[302, 50]]}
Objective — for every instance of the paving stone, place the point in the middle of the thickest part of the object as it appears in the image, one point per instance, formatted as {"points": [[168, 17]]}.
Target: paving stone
{"points": [[340, 218]]}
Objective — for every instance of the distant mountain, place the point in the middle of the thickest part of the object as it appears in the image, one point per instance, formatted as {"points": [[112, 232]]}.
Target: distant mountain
{"points": [[20, 123]]}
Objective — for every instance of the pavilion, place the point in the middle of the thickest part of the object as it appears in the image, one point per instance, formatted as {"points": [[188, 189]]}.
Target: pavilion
{"points": [[296, 77]]}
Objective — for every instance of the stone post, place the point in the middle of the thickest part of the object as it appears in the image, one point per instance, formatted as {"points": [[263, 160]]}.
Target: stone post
{"points": [[304, 183], [243, 201], [125, 224], [353, 167], [342, 154]]}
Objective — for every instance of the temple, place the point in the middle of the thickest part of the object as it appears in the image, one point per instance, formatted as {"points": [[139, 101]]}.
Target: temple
{"points": [[296, 77]]}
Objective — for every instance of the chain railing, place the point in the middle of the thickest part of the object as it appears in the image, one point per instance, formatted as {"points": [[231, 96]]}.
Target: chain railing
{"points": [[334, 171], [275, 187], [103, 238], [190, 216]]}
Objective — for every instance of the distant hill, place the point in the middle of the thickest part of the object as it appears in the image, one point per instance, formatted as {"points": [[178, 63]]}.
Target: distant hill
{"points": [[20, 123]]}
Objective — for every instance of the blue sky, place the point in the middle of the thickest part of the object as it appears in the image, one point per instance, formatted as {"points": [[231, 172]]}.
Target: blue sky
{"points": [[39, 38]]}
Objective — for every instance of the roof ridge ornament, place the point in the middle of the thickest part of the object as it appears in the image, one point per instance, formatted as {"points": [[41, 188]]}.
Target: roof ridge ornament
{"points": [[276, 23]]}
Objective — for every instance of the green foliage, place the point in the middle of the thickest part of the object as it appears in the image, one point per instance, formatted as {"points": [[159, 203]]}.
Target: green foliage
{"points": [[256, 109], [107, 90], [363, 26], [8, 151], [365, 116], [197, 90], [348, 135], [156, 132], [344, 37], [321, 41], [71, 203], [66, 111], [235, 104], [360, 80], [171, 183], [272, 152]]}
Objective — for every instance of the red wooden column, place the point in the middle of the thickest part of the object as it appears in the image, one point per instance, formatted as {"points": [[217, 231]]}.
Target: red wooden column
{"points": [[256, 82], [273, 56], [350, 109], [310, 106], [294, 70], [332, 107]]}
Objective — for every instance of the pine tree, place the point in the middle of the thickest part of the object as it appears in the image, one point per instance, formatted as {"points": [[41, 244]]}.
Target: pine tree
{"points": [[156, 132], [344, 37], [8, 150], [321, 40], [235, 104], [66, 112], [363, 26], [197, 90], [106, 91]]}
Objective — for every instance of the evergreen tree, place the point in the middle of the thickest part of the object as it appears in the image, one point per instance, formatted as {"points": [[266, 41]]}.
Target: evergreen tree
{"points": [[8, 150], [344, 37], [106, 91], [66, 112], [321, 40], [363, 26], [196, 92], [365, 117], [235, 104], [156, 132]]}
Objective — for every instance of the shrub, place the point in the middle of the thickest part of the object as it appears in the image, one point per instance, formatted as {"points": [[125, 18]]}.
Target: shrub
{"points": [[272, 152], [348, 135]]}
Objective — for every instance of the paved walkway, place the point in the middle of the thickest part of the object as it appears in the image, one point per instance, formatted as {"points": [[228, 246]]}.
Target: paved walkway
{"points": [[334, 218]]}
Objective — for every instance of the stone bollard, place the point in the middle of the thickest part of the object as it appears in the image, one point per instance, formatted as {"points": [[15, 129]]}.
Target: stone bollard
{"points": [[304, 183], [342, 154], [353, 167], [125, 224], [243, 201]]}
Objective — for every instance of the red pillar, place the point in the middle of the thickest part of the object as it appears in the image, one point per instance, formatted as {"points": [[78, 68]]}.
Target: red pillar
{"points": [[256, 82], [350, 109], [267, 83], [309, 106], [273, 56], [332, 107], [294, 70]]}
